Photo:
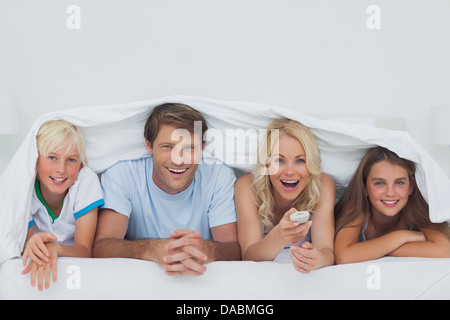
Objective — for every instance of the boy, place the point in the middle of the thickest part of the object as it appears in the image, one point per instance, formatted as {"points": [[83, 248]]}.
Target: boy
{"points": [[65, 202]]}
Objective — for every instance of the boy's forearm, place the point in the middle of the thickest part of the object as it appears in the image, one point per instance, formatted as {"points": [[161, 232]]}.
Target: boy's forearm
{"points": [[72, 251]]}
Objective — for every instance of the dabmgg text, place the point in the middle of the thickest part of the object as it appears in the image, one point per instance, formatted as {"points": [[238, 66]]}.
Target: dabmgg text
{"points": [[233, 309]]}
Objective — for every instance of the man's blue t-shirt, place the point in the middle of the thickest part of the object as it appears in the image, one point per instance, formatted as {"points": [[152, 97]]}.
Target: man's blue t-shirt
{"points": [[129, 189]]}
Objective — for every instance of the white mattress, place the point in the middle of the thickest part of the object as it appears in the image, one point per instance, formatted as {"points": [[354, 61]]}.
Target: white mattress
{"points": [[386, 278]]}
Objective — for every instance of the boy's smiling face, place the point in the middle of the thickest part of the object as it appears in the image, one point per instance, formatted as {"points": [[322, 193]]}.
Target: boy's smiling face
{"points": [[58, 171]]}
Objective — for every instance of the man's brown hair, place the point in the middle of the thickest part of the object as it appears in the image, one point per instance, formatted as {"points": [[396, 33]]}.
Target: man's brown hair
{"points": [[179, 115]]}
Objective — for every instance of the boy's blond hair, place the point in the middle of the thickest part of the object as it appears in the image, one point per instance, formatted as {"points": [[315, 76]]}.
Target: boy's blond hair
{"points": [[54, 135]]}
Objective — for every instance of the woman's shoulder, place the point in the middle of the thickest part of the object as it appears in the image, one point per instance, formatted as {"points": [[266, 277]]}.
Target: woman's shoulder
{"points": [[326, 179], [243, 187], [327, 184], [244, 181]]}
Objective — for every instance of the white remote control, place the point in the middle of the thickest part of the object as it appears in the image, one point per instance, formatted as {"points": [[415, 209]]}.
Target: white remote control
{"points": [[300, 216]]}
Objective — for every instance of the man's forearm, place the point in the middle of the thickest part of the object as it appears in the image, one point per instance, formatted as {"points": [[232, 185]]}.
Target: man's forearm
{"points": [[227, 251], [144, 249]]}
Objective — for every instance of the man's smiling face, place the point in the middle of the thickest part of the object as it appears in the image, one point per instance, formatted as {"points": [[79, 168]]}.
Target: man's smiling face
{"points": [[176, 154]]}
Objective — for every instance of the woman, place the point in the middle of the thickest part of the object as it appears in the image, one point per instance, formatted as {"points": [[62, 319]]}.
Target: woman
{"points": [[288, 178]]}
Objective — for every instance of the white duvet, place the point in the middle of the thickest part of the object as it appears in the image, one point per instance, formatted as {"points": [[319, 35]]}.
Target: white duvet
{"points": [[115, 132]]}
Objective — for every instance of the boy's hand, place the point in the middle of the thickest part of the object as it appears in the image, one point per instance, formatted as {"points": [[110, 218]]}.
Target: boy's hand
{"points": [[35, 248], [43, 271]]}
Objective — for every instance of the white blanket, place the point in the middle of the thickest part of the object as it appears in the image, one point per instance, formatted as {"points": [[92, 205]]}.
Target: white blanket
{"points": [[115, 132]]}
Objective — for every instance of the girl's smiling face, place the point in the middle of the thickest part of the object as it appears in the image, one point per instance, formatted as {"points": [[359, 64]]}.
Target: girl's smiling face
{"points": [[388, 187]]}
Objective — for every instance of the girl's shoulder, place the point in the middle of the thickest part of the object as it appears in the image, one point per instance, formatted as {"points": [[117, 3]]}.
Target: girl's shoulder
{"points": [[360, 222]]}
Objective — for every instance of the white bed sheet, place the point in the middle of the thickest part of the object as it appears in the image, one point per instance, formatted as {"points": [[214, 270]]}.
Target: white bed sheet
{"points": [[386, 278]]}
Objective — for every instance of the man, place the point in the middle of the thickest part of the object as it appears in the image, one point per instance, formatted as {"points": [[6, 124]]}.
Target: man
{"points": [[169, 208]]}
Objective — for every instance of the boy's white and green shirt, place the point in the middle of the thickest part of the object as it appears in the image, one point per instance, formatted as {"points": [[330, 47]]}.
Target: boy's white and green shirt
{"points": [[83, 196]]}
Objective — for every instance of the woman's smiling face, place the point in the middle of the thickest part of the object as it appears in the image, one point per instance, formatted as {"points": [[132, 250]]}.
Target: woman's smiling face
{"points": [[287, 168]]}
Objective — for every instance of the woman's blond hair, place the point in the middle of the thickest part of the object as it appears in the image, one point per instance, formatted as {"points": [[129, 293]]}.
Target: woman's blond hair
{"points": [[310, 196], [55, 135]]}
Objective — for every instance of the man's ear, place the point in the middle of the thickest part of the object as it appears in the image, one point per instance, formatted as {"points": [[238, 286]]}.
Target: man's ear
{"points": [[148, 145]]}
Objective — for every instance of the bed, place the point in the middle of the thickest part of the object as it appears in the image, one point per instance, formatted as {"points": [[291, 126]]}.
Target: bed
{"points": [[385, 278], [114, 133]]}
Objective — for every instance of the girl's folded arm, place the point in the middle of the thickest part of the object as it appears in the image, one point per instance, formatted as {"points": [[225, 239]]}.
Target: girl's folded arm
{"points": [[349, 250], [436, 245]]}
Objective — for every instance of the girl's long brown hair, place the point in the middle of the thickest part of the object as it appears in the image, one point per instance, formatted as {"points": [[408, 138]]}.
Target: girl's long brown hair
{"points": [[354, 201]]}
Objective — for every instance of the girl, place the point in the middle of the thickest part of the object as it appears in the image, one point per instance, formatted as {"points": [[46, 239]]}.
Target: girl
{"points": [[64, 205], [383, 213], [287, 178]]}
